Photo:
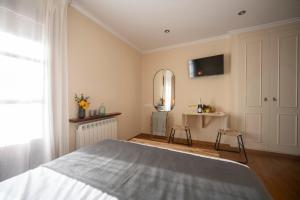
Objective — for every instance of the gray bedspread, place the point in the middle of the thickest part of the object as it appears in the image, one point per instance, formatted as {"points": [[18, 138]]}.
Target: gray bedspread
{"points": [[133, 171]]}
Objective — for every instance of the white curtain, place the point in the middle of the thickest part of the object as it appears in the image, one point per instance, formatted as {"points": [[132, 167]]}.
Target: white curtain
{"points": [[33, 84], [56, 46]]}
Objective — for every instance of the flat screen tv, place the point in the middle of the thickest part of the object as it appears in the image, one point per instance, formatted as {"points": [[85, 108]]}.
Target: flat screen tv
{"points": [[213, 65]]}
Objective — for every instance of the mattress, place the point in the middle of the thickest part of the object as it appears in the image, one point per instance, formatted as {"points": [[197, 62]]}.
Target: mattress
{"points": [[115, 169]]}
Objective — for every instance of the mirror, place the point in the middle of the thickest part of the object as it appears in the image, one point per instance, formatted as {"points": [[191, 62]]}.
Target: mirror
{"points": [[164, 90]]}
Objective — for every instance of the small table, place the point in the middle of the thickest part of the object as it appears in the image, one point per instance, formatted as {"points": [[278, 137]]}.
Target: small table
{"points": [[205, 115]]}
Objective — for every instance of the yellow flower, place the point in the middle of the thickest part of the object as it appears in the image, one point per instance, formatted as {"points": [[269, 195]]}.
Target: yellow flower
{"points": [[84, 104]]}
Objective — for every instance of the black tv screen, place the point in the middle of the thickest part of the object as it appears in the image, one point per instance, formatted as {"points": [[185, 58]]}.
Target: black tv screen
{"points": [[206, 66]]}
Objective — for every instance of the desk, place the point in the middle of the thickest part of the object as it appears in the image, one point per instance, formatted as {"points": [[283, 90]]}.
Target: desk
{"points": [[204, 116]]}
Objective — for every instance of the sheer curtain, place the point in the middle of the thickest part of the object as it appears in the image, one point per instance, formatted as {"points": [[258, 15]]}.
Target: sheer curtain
{"points": [[33, 84], [55, 33]]}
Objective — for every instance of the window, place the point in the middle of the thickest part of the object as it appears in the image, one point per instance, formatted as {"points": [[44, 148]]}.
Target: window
{"points": [[22, 83]]}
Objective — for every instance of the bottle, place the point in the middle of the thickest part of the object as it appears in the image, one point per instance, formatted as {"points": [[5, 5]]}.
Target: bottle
{"points": [[199, 108]]}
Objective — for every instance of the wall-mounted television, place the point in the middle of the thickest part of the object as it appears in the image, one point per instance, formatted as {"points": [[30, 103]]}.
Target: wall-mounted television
{"points": [[212, 65]]}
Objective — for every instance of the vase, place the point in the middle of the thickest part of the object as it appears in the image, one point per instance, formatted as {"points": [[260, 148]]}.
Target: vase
{"points": [[81, 113], [102, 110]]}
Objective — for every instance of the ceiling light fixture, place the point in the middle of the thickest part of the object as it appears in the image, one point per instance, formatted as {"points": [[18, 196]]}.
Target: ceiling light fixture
{"points": [[167, 31], [242, 12]]}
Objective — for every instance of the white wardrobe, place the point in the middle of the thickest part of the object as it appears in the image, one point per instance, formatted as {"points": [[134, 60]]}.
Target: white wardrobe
{"points": [[269, 88]]}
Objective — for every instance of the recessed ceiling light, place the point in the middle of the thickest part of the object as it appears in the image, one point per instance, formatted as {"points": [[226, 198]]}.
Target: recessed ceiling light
{"points": [[167, 31], [242, 12]]}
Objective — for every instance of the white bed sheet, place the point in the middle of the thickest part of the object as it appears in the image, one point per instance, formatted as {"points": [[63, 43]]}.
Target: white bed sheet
{"points": [[43, 183]]}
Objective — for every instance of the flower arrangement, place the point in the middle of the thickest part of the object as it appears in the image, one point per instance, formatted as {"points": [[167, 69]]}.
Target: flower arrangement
{"points": [[83, 104], [82, 101]]}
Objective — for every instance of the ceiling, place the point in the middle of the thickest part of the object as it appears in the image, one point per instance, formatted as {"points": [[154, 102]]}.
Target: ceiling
{"points": [[141, 23]]}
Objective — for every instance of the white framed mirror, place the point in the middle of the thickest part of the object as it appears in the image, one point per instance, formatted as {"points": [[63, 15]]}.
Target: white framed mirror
{"points": [[164, 90]]}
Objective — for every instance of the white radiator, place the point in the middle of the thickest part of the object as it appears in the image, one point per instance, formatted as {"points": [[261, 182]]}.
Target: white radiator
{"points": [[91, 133]]}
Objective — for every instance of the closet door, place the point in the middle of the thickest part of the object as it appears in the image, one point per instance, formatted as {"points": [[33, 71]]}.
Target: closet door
{"points": [[285, 90], [254, 83]]}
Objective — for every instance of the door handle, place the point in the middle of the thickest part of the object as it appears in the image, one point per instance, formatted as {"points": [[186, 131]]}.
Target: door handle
{"points": [[265, 99], [274, 99]]}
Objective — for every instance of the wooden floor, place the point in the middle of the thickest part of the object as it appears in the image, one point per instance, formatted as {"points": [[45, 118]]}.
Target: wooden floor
{"points": [[281, 175]]}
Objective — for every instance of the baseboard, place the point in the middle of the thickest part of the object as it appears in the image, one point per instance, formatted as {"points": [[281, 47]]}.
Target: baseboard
{"points": [[211, 144]]}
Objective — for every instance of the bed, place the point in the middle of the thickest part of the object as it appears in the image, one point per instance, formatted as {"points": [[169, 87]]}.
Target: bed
{"points": [[115, 169]]}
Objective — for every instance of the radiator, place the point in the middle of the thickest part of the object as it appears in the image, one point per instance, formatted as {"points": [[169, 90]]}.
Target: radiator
{"points": [[91, 133]]}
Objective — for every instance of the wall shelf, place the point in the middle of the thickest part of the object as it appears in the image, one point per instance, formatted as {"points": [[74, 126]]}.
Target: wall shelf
{"points": [[94, 118]]}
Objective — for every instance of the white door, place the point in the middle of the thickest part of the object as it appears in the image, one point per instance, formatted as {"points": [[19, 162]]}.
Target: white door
{"points": [[254, 66], [285, 89]]}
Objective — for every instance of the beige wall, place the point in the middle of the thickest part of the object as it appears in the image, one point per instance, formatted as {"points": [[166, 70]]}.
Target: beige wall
{"points": [[213, 90], [106, 69], [109, 71], [221, 91]]}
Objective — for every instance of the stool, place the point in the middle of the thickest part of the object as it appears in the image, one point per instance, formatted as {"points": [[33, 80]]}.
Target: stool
{"points": [[230, 132], [183, 128]]}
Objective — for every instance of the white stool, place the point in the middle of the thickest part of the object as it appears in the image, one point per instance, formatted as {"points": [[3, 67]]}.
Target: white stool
{"points": [[231, 132], [182, 128]]}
